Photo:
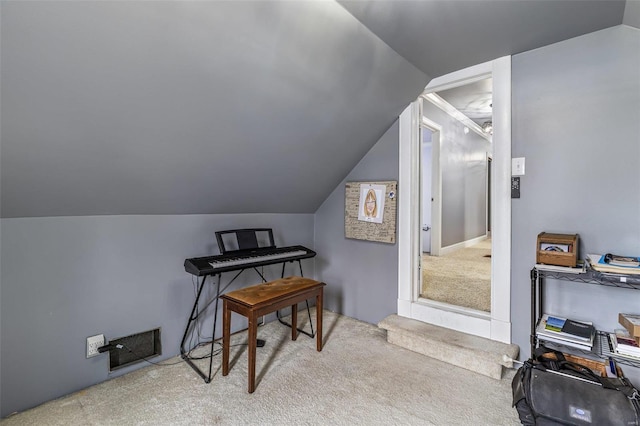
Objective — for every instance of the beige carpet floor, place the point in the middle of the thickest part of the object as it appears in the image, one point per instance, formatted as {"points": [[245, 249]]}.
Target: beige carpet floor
{"points": [[358, 379], [461, 278]]}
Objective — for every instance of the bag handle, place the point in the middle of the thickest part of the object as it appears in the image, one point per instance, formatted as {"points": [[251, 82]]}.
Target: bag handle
{"points": [[554, 364], [620, 384], [560, 363]]}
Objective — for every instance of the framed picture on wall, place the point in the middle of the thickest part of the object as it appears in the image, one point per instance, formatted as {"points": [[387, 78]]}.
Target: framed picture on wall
{"points": [[371, 205]]}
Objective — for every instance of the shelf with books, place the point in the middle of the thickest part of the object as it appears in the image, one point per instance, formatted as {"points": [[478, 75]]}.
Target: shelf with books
{"points": [[602, 349], [588, 351], [606, 349], [601, 345]]}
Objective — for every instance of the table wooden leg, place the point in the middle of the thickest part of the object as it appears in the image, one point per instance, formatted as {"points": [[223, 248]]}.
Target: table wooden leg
{"points": [[253, 336], [319, 321], [226, 335], [294, 321]]}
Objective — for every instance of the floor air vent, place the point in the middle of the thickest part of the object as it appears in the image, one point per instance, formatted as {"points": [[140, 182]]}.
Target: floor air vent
{"points": [[135, 348]]}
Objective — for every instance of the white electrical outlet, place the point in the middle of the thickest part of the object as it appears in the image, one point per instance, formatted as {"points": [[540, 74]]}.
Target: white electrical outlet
{"points": [[93, 343]]}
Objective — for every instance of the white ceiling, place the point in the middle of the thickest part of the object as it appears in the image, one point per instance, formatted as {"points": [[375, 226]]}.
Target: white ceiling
{"points": [[473, 100]]}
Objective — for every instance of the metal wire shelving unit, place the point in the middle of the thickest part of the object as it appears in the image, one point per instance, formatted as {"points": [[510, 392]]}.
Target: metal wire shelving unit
{"points": [[602, 348]]}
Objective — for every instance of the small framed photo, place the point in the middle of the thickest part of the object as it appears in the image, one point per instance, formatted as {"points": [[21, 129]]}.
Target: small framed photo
{"points": [[371, 205]]}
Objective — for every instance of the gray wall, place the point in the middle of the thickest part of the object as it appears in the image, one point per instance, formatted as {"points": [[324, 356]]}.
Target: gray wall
{"points": [[632, 13], [576, 120], [463, 165], [361, 276], [67, 278]]}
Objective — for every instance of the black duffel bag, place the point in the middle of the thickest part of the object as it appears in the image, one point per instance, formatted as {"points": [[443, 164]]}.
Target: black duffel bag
{"points": [[559, 392]]}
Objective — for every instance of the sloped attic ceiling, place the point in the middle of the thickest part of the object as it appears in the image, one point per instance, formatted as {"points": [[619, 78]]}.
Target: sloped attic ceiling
{"points": [[189, 107], [442, 36]]}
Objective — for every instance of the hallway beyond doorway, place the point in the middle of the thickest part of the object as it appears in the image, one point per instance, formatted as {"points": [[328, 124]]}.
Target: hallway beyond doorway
{"points": [[461, 278]]}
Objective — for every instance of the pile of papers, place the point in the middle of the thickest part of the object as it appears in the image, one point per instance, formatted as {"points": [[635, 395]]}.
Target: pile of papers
{"points": [[607, 263]]}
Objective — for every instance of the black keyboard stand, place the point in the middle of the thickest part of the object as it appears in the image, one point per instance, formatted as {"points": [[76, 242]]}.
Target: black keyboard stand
{"points": [[185, 354], [195, 314]]}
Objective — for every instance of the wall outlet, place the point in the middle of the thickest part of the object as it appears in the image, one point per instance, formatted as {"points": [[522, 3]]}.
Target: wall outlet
{"points": [[93, 343]]}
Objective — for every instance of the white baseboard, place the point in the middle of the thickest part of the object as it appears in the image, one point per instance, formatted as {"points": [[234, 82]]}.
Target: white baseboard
{"points": [[463, 244]]}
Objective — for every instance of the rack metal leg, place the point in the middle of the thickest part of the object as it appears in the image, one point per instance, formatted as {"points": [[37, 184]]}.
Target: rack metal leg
{"points": [[534, 311]]}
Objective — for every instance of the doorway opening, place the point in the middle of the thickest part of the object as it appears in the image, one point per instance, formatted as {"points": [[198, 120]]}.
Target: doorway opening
{"points": [[457, 271], [495, 324]]}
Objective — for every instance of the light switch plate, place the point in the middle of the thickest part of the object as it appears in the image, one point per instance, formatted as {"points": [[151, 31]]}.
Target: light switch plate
{"points": [[517, 166]]}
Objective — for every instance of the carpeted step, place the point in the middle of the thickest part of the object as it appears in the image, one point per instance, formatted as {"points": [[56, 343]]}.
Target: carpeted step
{"points": [[473, 353]]}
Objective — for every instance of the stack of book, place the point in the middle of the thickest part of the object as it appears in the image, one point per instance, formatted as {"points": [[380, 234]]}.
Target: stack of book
{"points": [[567, 332], [626, 341], [624, 345], [616, 264], [580, 268]]}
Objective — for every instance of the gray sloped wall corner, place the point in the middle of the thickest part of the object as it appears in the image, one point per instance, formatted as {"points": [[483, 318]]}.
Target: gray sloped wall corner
{"points": [[576, 120], [361, 276], [195, 107], [67, 278], [631, 15]]}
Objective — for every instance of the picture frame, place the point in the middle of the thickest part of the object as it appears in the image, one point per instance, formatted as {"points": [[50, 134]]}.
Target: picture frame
{"points": [[377, 225], [371, 204]]}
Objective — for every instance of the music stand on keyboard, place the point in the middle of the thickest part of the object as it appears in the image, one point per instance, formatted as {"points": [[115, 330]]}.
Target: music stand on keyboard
{"points": [[245, 239]]}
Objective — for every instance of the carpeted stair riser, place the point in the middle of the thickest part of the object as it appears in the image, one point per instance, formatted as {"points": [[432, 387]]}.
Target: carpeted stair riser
{"points": [[473, 353]]}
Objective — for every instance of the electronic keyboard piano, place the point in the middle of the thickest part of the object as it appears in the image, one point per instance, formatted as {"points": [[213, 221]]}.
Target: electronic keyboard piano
{"points": [[240, 249], [243, 259]]}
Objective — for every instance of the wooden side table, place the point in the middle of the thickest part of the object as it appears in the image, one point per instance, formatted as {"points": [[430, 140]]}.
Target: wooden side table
{"points": [[262, 299]]}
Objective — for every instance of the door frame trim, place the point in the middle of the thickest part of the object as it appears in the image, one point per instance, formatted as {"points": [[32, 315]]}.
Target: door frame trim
{"points": [[495, 325], [436, 184]]}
